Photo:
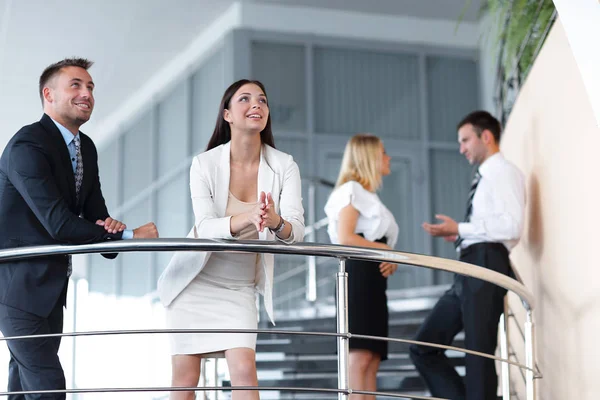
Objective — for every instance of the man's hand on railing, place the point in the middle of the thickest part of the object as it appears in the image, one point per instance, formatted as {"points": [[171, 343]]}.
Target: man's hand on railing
{"points": [[112, 225], [147, 231]]}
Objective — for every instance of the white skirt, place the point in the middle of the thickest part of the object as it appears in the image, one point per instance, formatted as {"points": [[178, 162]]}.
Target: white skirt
{"points": [[205, 304]]}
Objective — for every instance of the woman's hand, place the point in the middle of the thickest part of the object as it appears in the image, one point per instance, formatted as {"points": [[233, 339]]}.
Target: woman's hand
{"points": [[271, 218], [387, 269], [256, 215]]}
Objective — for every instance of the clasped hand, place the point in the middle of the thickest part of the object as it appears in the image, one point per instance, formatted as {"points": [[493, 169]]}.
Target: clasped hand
{"points": [[263, 214]]}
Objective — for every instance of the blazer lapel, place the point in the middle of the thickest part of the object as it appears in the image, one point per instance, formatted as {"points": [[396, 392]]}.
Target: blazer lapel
{"points": [[64, 156], [266, 176], [222, 171]]}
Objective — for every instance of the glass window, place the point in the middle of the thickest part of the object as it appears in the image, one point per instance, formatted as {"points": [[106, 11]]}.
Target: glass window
{"points": [[108, 164], [452, 94], [137, 157], [173, 134], [366, 91], [281, 68], [172, 219], [208, 85]]}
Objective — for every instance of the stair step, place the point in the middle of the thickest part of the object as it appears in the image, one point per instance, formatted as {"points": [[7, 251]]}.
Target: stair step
{"points": [[328, 363], [311, 362]]}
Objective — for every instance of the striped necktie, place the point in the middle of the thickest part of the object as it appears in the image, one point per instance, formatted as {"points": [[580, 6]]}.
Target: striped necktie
{"points": [[469, 211], [78, 181], [79, 167]]}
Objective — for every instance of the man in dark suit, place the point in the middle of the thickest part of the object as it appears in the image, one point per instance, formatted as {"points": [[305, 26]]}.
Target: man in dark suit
{"points": [[49, 194]]}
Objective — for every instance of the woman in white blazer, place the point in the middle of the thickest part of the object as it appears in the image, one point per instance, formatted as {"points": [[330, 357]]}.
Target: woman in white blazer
{"points": [[242, 188]]}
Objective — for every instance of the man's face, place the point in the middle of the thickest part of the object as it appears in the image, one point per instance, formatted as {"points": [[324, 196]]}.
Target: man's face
{"points": [[471, 145], [69, 96]]}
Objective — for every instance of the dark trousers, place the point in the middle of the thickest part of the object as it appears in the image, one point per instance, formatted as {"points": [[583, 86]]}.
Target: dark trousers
{"points": [[474, 306], [34, 363]]}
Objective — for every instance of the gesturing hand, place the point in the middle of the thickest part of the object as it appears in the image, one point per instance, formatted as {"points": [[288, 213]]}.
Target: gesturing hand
{"points": [[448, 226]]}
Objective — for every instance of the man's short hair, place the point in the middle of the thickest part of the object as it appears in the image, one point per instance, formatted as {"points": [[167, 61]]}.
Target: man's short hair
{"points": [[54, 69], [482, 120]]}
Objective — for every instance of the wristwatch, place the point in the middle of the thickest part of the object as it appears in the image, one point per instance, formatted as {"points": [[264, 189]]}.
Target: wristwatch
{"points": [[279, 227]]}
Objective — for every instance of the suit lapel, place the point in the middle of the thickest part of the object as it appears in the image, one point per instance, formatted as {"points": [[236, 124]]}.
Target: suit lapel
{"points": [[63, 152], [266, 177], [222, 182]]}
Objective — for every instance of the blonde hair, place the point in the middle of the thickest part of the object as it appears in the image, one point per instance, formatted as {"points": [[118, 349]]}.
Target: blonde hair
{"points": [[361, 162]]}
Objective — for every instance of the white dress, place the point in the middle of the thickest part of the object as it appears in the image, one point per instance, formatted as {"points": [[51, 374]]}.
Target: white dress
{"points": [[222, 296]]}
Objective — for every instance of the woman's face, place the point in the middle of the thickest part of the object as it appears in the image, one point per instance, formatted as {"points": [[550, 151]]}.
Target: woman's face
{"points": [[384, 162], [248, 109]]}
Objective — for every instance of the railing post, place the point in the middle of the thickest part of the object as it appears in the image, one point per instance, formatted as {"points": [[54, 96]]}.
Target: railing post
{"points": [[342, 327], [203, 380], [505, 370], [216, 377], [74, 343], [311, 275], [529, 356]]}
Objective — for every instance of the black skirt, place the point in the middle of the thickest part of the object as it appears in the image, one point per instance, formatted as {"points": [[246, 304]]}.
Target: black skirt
{"points": [[367, 305]]}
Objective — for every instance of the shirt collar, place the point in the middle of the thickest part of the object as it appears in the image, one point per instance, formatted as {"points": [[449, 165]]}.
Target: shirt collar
{"points": [[488, 164], [66, 134]]}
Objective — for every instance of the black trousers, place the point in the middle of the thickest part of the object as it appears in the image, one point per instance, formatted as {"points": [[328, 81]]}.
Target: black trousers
{"points": [[34, 363], [474, 306]]}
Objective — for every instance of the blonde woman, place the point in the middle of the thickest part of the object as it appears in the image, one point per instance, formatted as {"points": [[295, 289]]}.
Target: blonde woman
{"points": [[242, 188], [357, 217]]}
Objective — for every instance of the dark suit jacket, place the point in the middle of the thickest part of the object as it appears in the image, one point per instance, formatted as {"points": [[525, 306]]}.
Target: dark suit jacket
{"points": [[38, 207]]}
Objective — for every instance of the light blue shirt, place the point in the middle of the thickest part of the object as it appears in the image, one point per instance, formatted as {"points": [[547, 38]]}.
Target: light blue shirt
{"points": [[70, 142]]}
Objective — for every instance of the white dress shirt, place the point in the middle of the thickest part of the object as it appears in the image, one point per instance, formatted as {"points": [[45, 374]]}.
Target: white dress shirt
{"points": [[498, 205]]}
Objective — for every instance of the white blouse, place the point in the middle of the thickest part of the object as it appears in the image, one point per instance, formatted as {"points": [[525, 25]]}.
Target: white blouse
{"points": [[374, 221]]}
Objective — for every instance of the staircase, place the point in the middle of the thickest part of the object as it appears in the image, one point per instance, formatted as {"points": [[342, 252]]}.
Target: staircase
{"points": [[310, 361]]}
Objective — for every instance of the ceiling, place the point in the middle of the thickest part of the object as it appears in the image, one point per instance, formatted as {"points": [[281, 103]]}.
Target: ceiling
{"points": [[130, 40]]}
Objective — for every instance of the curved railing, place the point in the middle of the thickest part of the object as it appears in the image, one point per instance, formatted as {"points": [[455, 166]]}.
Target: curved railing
{"points": [[342, 253]]}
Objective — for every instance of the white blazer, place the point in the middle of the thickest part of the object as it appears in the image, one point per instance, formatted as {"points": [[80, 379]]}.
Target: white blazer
{"points": [[209, 184]]}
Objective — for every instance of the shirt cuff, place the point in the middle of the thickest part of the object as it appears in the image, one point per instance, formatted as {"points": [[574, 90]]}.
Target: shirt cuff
{"points": [[465, 229], [289, 240], [127, 234]]}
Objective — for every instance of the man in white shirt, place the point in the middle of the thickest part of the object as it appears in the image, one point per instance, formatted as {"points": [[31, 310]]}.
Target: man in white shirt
{"points": [[491, 228]]}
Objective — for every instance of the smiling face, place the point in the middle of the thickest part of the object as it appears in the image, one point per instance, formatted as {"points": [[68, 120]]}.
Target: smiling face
{"points": [[68, 97], [248, 110]]}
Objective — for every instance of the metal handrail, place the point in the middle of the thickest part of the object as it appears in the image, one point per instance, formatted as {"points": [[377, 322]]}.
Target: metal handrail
{"points": [[261, 246], [511, 315], [309, 249], [220, 388], [269, 331]]}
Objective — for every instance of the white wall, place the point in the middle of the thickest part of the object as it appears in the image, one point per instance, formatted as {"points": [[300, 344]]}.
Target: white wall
{"points": [[553, 137]]}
